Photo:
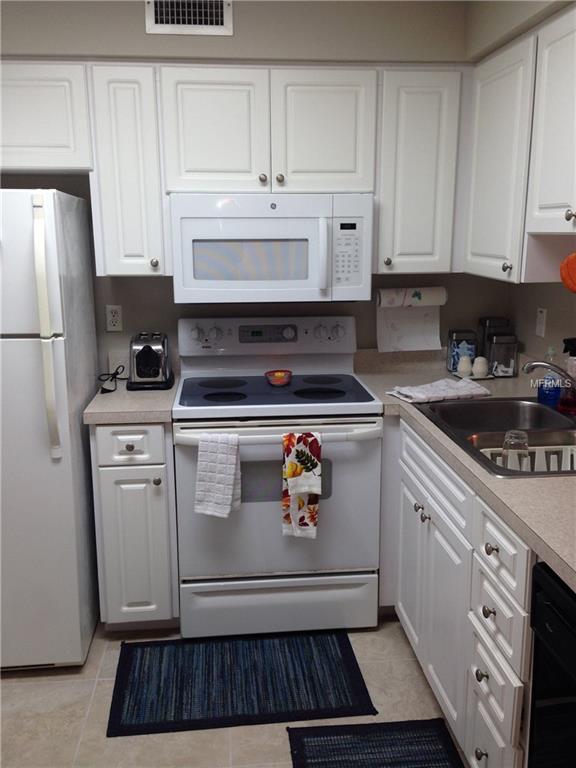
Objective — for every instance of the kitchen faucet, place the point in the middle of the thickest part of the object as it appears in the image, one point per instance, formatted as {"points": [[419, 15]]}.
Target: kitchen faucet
{"points": [[531, 365]]}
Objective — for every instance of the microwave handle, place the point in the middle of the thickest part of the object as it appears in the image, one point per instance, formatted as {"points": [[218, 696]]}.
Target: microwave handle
{"points": [[323, 252], [357, 435]]}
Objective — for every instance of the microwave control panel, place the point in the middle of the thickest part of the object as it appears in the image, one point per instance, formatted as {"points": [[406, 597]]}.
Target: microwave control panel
{"points": [[346, 251]]}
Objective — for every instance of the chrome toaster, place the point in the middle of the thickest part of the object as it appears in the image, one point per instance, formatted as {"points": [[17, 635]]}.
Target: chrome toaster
{"points": [[149, 362]]}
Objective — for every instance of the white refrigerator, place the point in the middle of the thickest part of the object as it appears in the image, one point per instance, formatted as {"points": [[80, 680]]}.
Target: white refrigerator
{"points": [[48, 375]]}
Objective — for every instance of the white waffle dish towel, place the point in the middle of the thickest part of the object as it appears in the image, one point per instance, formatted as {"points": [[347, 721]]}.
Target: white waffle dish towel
{"points": [[218, 475], [443, 389]]}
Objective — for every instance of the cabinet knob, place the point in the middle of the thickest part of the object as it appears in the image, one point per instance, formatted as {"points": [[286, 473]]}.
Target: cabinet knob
{"points": [[154, 263], [424, 517], [491, 548], [263, 178], [157, 481], [280, 178], [481, 675], [506, 267], [569, 214], [418, 507], [387, 261], [479, 754], [129, 447], [487, 612]]}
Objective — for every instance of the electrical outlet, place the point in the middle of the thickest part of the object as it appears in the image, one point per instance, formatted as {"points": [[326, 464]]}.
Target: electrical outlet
{"points": [[114, 318], [541, 314]]}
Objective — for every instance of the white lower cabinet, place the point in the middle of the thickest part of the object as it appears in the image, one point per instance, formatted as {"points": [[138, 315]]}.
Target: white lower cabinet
{"points": [[135, 533], [433, 592], [463, 606], [409, 598]]}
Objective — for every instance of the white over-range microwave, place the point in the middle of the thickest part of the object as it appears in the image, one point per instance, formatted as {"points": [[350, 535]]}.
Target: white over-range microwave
{"points": [[271, 248]]}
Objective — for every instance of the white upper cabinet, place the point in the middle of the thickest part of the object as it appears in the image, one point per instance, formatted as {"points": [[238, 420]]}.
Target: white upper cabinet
{"points": [[323, 130], [125, 186], [552, 182], [503, 86], [419, 143], [44, 117], [216, 129]]}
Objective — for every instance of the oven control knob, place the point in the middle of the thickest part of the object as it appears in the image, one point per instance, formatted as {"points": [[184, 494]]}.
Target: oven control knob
{"points": [[196, 333], [338, 331], [321, 332], [288, 332], [215, 333]]}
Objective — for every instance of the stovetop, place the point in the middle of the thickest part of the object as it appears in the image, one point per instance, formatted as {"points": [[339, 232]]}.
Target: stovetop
{"points": [[255, 390]]}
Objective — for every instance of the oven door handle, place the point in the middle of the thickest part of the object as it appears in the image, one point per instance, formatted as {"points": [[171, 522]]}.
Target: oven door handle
{"points": [[357, 435], [323, 276]]}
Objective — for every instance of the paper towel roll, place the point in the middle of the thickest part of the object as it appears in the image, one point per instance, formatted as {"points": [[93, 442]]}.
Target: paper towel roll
{"points": [[412, 297], [408, 319]]}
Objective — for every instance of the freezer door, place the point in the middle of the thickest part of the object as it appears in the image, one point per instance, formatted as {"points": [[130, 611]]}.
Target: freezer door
{"points": [[30, 269], [40, 606]]}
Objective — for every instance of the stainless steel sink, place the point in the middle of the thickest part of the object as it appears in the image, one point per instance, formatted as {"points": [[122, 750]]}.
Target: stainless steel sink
{"points": [[479, 426], [497, 415]]}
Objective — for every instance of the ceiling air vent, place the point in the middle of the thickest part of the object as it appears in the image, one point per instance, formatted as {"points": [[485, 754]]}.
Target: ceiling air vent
{"points": [[189, 17]]}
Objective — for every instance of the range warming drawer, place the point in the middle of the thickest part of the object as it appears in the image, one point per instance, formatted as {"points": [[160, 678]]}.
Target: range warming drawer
{"points": [[278, 604]]}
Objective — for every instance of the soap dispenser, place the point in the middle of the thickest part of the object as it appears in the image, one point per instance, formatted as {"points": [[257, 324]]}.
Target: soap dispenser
{"points": [[567, 402]]}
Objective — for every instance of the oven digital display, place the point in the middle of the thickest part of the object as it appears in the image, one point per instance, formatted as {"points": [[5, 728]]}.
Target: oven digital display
{"points": [[347, 225]]}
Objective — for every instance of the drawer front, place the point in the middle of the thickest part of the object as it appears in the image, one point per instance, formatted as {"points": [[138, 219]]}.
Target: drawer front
{"points": [[485, 745], [505, 623], [212, 608], [454, 497], [503, 553], [495, 682], [129, 445]]}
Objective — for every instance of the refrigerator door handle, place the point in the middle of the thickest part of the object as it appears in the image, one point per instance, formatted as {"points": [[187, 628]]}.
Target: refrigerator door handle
{"points": [[41, 266], [50, 398]]}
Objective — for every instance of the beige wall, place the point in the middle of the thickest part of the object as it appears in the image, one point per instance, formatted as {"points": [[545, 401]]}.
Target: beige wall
{"points": [[561, 317], [279, 31], [491, 24]]}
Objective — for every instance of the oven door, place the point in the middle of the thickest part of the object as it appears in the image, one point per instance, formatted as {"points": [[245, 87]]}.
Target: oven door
{"points": [[250, 542], [251, 248]]}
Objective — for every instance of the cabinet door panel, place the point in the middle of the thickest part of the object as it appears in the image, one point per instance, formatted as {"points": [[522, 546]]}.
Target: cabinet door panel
{"points": [[44, 117], [447, 590], [126, 182], [501, 127], [411, 560], [216, 133], [136, 543], [418, 170], [552, 187], [323, 130]]}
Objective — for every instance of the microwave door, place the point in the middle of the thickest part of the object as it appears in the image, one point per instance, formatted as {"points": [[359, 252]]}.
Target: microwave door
{"points": [[252, 260]]}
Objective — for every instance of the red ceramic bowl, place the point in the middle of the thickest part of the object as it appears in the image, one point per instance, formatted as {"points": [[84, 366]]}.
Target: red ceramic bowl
{"points": [[279, 378]]}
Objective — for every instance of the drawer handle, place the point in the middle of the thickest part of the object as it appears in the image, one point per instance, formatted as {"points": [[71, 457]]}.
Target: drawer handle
{"points": [[154, 263], [479, 754], [487, 612], [491, 548], [157, 481], [387, 261], [569, 214], [424, 517], [129, 447], [418, 507], [481, 675], [280, 178]]}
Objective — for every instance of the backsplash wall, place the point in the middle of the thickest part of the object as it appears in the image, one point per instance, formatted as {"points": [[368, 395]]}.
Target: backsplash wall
{"points": [[147, 304], [561, 317]]}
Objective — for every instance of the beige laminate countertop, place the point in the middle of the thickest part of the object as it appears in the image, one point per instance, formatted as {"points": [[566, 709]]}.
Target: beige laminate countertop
{"points": [[541, 510], [125, 407]]}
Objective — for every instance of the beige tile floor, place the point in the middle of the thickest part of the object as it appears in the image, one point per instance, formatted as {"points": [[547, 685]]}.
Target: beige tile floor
{"points": [[57, 719]]}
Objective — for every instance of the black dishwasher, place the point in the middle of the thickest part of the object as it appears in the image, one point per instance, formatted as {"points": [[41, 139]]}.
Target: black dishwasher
{"points": [[553, 718]]}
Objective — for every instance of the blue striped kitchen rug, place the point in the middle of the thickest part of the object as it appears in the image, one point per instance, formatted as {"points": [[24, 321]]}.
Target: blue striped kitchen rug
{"points": [[408, 744], [181, 685]]}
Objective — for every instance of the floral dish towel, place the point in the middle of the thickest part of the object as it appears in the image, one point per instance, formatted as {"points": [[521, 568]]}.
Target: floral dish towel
{"points": [[301, 483]]}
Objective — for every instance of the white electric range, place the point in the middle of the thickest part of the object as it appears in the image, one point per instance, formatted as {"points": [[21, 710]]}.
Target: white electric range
{"points": [[239, 574]]}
